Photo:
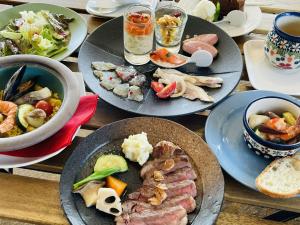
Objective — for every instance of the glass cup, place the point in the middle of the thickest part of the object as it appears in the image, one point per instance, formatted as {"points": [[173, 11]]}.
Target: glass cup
{"points": [[138, 34], [169, 26]]}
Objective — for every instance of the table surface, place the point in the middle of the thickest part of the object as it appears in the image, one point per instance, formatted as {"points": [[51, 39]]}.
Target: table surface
{"points": [[31, 194]]}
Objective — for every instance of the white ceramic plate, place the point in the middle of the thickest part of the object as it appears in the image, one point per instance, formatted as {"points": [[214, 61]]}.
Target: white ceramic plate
{"points": [[253, 14], [91, 10], [264, 76], [13, 161]]}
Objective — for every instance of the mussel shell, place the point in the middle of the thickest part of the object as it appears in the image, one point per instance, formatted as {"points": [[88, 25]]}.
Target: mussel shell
{"points": [[13, 84], [24, 88]]}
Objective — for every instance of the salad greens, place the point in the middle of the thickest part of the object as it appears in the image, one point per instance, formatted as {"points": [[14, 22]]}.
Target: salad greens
{"points": [[39, 33]]}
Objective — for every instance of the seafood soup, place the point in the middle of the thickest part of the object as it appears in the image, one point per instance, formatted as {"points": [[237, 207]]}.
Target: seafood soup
{"points": [[29, 97]]}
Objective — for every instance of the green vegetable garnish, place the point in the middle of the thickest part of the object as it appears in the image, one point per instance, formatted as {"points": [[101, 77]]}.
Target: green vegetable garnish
{"points": [[218, 11], [96, 176]]}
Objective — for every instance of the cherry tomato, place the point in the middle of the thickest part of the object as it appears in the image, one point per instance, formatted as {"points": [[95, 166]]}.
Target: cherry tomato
{"points": [[156, 86], [167, 91], [44, 106]]}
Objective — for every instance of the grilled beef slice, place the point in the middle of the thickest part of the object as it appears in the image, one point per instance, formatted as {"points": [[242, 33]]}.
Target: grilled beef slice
{"points": [[186, 201], [173, 189], [167, 216], [165, 165], [166, 149], [185, 173]]}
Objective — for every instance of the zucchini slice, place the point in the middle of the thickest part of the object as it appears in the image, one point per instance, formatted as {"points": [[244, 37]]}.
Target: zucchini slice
{"points": [[23, 110], [111, 161]]}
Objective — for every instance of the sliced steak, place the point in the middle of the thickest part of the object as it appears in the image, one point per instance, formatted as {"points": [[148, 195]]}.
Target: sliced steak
{"points": [[165, 165], [168, 216], [166, 149], [185, 173], [186, 201], [173, 189]]}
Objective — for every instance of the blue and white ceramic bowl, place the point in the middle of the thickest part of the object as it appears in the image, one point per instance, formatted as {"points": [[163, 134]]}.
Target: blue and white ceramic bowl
{"points": [[261, 147], [282, 48]]}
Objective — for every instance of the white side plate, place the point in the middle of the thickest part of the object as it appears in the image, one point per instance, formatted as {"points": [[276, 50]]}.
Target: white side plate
{"points": [[264, 76], [253, 14]]}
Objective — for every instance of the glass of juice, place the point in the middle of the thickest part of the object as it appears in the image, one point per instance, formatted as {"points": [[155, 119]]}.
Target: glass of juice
{"points": [[138, 34], [170, 22]]}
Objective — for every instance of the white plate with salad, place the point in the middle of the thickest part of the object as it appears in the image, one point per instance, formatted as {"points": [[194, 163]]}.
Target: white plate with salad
{"points": [[41, 29]]}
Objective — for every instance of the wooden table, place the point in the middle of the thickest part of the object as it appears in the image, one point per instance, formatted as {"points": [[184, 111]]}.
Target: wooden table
{"points": [[31, 194]]}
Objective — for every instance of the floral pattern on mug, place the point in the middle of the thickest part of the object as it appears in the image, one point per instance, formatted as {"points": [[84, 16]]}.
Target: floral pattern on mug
{"points": [[282, 53]]}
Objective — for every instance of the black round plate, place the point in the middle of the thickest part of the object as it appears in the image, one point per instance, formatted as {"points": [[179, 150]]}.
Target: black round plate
{"points": [[210, 182], [106, 44]]}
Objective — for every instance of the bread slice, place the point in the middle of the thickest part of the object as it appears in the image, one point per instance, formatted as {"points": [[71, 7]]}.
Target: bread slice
{"points": [[281, 179]]}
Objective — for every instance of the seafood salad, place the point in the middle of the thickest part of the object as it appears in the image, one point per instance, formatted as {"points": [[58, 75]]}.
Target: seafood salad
{"points": [[165, 196], [124, 81], [39, 33], [269, 126], [25, 105]]}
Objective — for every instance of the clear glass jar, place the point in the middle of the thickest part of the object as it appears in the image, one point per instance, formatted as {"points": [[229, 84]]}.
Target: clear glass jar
{"points": [[170, 22], [138, 34]]}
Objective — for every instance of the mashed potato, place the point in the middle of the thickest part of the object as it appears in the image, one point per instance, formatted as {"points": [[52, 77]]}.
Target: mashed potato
{"points": [[137, 148]]}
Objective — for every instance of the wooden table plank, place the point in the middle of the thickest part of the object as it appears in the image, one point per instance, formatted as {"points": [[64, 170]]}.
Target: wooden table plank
{"points": [[31, 200], [37, 201], [237, 192]]}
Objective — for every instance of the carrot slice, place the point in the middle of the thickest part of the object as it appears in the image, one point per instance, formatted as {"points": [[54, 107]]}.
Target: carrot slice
{"points": [[116, 184]]}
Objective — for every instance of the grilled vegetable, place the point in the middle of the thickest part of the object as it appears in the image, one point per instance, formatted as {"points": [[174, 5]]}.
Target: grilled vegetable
{"points": [[116, 184], [96, 176], [111, 161], [109, 202]]}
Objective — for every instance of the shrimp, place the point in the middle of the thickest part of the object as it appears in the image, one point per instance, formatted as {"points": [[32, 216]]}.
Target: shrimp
{"points": [[291, 132], [9, 109]]}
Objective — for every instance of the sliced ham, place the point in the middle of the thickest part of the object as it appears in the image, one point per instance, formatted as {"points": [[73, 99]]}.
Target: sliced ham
{"points": [[210, 39], [192, 46]]}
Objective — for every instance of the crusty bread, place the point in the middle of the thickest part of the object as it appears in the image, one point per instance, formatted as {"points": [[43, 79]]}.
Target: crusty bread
{"points": [[281, 179]]}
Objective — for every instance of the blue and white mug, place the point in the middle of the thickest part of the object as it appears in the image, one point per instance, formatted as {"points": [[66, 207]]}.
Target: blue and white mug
{"points": [[283, 42]]}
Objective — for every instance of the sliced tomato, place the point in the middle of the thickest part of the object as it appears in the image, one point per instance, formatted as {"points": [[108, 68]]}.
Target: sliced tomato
{"points": [[167, 91], [44, 106], [156, 86]]}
